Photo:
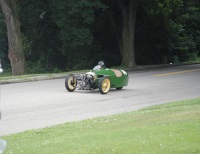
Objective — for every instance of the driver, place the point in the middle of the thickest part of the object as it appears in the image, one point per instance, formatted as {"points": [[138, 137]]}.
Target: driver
{"points": [[1, 70], [99, 66]]}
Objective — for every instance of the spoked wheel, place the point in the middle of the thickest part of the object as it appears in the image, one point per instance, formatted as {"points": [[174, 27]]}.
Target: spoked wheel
{"points": [[70, 82], [104, 85]]}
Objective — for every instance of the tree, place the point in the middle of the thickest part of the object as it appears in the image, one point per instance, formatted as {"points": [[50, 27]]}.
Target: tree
{"points": [[126, 9], [15, 51]]}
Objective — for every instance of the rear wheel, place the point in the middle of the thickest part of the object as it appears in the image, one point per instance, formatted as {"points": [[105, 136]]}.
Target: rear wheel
{"points": [[104, 85], [70, 82], [119, 88]]}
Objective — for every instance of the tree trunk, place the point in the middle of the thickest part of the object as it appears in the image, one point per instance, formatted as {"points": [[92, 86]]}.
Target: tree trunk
{"points": [[128, 9], [15, 49]]}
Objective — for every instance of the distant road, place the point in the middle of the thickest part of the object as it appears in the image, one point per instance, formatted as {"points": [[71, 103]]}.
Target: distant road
{"points": [[39, 104]]}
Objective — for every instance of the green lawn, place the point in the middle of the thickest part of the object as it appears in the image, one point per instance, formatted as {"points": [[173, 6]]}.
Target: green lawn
{"points": [[173, 128]]}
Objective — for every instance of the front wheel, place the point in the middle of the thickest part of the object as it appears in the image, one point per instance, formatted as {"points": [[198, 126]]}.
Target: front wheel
{"points": [[70, 82], [104, 85]]}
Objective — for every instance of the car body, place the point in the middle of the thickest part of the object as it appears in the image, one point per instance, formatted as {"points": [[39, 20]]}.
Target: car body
{"points": [[101, 78]]}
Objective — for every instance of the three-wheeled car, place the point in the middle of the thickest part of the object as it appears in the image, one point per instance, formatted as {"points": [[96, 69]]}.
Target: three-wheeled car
{"points": [[99, 78]]}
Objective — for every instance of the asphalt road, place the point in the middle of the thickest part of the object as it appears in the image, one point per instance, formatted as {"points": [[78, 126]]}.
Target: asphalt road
{"points": [[39, 104]]}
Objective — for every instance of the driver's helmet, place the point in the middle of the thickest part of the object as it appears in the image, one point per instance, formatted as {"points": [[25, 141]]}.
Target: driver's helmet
{"points": [[101, 63]]}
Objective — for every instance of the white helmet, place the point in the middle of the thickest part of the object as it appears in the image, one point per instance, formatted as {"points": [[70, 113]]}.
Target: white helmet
{"points": [[101, 63]]}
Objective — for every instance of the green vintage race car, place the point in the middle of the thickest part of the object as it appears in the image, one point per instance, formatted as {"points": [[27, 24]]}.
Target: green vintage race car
{"points": [[99, 78]]}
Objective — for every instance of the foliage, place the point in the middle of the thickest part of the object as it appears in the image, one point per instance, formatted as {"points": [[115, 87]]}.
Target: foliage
{"points": [[40, 36], [65, 35], [75, 20], [168, 128], [60, 35], [164, 31], [192, 22]]}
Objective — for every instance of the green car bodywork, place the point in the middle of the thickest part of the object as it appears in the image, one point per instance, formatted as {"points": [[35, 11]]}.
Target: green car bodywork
{"points": [[118, 78]]}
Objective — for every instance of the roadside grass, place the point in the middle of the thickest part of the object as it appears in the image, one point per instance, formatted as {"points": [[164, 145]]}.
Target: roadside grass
{"points": [[7, 77], [168, 128], [196, 60]]}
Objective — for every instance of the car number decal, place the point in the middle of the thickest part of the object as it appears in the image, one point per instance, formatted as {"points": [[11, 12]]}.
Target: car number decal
{"points": [[124, 72]]}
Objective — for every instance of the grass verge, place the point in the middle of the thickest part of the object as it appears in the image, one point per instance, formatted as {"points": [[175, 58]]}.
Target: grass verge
{"points": [[168, 128], [7, 78]]}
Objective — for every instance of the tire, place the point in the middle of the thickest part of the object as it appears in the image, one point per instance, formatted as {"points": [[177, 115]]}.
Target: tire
{"points": [[119, 88], [70, 82], [104, 85]]}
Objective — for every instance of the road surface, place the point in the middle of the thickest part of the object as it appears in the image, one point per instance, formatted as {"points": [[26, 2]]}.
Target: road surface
{"points": [[32, 105]]}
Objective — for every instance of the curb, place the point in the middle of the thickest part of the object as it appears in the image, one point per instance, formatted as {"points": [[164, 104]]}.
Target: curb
{"points": [[142, 67]]}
